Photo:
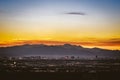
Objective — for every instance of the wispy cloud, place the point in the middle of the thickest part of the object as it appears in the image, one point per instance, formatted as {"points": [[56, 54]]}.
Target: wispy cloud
{"points": [[112, 42], [75, 13]]}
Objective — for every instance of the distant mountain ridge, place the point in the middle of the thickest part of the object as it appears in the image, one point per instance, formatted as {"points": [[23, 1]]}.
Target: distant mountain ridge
{"points": [[59, 50]]}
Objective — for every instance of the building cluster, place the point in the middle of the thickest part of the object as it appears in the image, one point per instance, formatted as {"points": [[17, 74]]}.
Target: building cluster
{"points": [[63, 64]]}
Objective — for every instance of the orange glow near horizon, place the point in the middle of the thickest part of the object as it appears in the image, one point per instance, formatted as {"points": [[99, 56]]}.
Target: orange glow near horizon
{"points": [[84, 44], [56, 22]]}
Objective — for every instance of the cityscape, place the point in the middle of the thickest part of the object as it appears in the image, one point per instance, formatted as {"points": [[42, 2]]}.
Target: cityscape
{"points": [[59, 62], [63, 64], [59, 39], [66, 67]]}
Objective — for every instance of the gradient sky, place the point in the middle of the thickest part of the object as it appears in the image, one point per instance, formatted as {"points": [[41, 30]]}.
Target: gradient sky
{"points": [[91, 23]]}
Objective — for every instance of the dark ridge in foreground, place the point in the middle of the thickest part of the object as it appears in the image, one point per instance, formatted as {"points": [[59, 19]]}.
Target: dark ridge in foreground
{"points": [[58, 50], [59, 76]]}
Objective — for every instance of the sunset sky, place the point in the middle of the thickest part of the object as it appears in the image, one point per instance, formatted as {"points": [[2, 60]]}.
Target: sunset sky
{"points": [[90, 23]]}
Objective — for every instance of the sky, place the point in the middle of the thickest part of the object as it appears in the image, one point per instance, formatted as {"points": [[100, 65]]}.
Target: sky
{"points": [[90, 23]]}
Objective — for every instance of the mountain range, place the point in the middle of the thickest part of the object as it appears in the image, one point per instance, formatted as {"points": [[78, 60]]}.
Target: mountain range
{"points": [[58, 50]]}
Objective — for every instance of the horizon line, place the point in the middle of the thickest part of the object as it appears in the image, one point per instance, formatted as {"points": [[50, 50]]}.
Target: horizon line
{"points": [[52, 43]]}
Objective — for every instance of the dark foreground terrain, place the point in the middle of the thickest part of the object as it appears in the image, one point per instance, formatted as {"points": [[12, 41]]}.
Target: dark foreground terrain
{"points": [[61, 76], [35, 68]]}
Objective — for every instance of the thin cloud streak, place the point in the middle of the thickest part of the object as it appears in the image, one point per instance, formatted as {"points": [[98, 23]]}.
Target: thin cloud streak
{"points": [[75, 13]]}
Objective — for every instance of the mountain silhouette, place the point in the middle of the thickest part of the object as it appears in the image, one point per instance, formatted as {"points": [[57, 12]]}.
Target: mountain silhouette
{"points": [[58, 50]]}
